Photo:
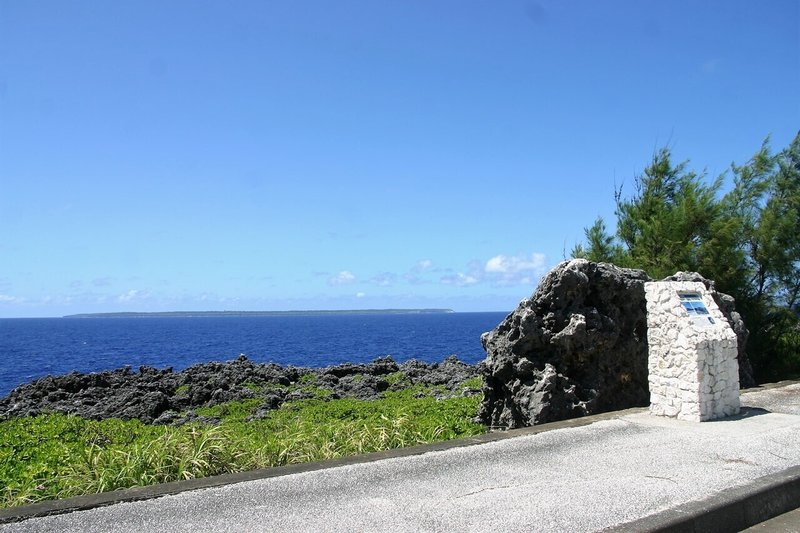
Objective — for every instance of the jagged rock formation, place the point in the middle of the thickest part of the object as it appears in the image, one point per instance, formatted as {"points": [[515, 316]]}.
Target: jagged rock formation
{"points": [[167, 397], [577, 346]]}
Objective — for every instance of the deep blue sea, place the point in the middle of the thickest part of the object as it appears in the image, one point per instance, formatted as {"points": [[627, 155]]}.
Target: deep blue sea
{"points": [[31, 348]]}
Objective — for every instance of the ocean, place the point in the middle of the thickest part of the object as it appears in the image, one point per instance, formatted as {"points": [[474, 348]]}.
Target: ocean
{"points": [[31, 348]]}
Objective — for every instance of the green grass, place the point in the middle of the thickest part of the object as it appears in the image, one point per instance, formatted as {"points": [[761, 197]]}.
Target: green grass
{"points": [[317, 392], [473, 383], [255, 387], [56, 456], [396, 377], [230, 411]]}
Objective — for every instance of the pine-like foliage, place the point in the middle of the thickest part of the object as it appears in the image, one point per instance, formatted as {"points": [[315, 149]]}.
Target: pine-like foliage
{"points": [[747, 240]]}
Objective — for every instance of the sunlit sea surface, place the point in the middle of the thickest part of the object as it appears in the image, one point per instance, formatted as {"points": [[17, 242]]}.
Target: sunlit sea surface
{"points": [[31, 348]]}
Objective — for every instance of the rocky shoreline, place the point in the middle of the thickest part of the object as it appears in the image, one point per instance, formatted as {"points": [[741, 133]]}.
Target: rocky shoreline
{"points": [[162, 396], [578, 346]]}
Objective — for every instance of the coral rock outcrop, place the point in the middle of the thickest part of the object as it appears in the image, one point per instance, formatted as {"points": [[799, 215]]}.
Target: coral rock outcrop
{"points": [[577, 346]]}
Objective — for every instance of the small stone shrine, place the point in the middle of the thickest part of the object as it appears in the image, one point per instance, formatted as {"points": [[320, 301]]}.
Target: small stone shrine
{"points": [[692, 368]]}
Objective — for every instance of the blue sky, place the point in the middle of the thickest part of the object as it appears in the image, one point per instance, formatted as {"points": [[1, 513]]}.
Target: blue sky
{"points": [[190, 155]]}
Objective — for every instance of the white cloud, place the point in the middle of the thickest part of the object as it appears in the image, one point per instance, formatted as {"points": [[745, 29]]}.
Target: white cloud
{"points": [[415, 279], [500, 270], [415, 275], [342, 278], [6, 299], [132, 295], [424, 264], [514, 264], [384, 279], [519, 269], [360, 294], [460, 279]]}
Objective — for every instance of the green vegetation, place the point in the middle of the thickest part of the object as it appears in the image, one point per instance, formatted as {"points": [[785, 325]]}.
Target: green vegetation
{"points": [[238, 410], [307, 378], [317, 392], [56, 456], [473, 383], [747, 240], [396, 377], [255, 387]]}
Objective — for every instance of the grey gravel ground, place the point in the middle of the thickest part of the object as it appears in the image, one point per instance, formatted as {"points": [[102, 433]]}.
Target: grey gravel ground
{"points": [[576, 479], [784, 399]]}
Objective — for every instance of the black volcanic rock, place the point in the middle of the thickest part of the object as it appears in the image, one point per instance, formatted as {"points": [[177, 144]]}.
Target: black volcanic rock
{"points": [[166, 397], [577, 346]]}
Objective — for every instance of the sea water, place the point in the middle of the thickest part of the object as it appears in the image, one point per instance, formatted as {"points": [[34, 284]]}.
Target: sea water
{"points": [[31, 348]]}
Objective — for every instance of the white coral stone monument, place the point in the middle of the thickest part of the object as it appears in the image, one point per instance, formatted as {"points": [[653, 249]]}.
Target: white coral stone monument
{"points": [[693, 370]]}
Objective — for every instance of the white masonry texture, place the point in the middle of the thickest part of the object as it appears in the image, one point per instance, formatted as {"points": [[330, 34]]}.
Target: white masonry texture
{"points": [[693, 370]]}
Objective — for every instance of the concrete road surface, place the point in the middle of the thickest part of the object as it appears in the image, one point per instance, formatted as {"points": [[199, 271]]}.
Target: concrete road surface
{"points": [[575, 479]]}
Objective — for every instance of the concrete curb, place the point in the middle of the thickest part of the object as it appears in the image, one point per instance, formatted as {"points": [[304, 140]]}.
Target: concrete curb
{"points": [[733, 510], [91, 501]]}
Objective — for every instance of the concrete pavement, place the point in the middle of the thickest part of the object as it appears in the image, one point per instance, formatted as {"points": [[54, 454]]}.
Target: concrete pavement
{"points": [[785, 523], [627, 470]]}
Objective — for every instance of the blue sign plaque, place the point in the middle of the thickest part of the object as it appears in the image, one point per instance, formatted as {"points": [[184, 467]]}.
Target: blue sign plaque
{"points": [[693, 303]]}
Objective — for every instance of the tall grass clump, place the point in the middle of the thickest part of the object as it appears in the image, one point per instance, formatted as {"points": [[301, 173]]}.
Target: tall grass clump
{"points": [[55, 456], [175, 454]]}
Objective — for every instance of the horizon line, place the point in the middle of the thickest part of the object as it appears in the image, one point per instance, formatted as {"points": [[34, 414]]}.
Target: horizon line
{"points": [[189, 314]]}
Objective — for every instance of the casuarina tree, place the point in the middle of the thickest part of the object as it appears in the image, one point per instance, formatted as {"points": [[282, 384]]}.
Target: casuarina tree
{"points": [[747, 240]]}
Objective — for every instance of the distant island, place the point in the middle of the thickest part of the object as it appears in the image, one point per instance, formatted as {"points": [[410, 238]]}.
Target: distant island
{"points": [[187, 314]]}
